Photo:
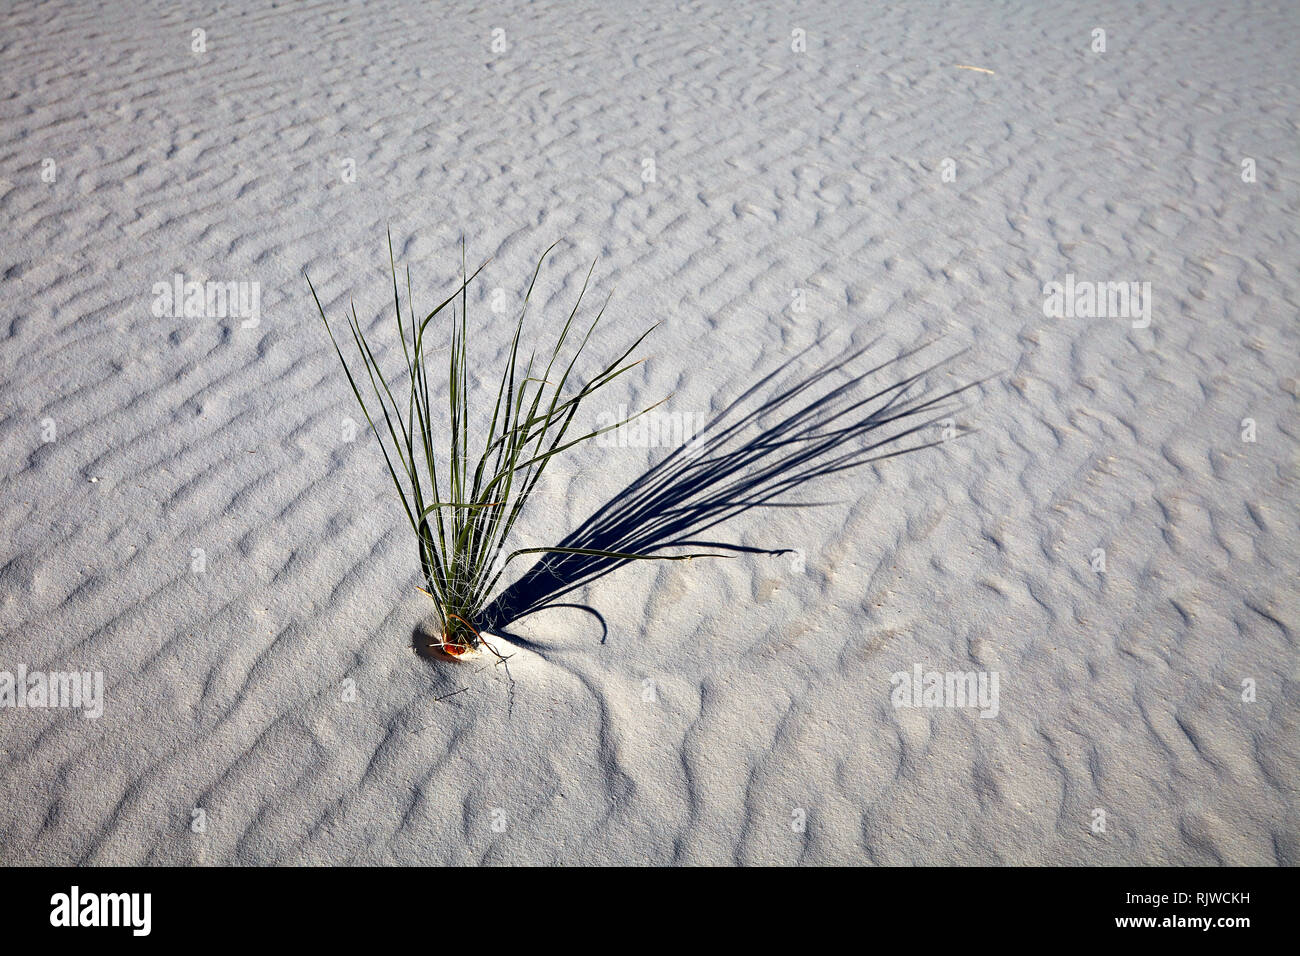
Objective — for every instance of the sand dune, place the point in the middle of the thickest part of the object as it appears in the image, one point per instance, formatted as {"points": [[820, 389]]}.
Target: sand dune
{"points": [[183, 510]]}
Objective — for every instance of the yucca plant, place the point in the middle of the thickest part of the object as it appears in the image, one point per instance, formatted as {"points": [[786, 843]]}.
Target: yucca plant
{"points": [[462, 518]]}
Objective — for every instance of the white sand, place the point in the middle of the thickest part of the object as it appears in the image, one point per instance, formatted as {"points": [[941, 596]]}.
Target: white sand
{"points": [[775, 170]]}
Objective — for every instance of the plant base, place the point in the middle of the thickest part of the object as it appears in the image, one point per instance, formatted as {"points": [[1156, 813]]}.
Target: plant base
{"points": [[458, 638]]}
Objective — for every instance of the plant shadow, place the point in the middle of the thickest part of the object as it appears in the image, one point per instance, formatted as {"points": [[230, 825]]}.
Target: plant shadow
{"points": [[804, 430]]}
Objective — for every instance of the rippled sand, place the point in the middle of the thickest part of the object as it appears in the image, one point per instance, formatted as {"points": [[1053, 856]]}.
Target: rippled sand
{"points": [[196, 527]]}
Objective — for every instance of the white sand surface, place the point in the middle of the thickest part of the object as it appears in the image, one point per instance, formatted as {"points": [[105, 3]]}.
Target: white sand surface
{"points": [[725, 711]]}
